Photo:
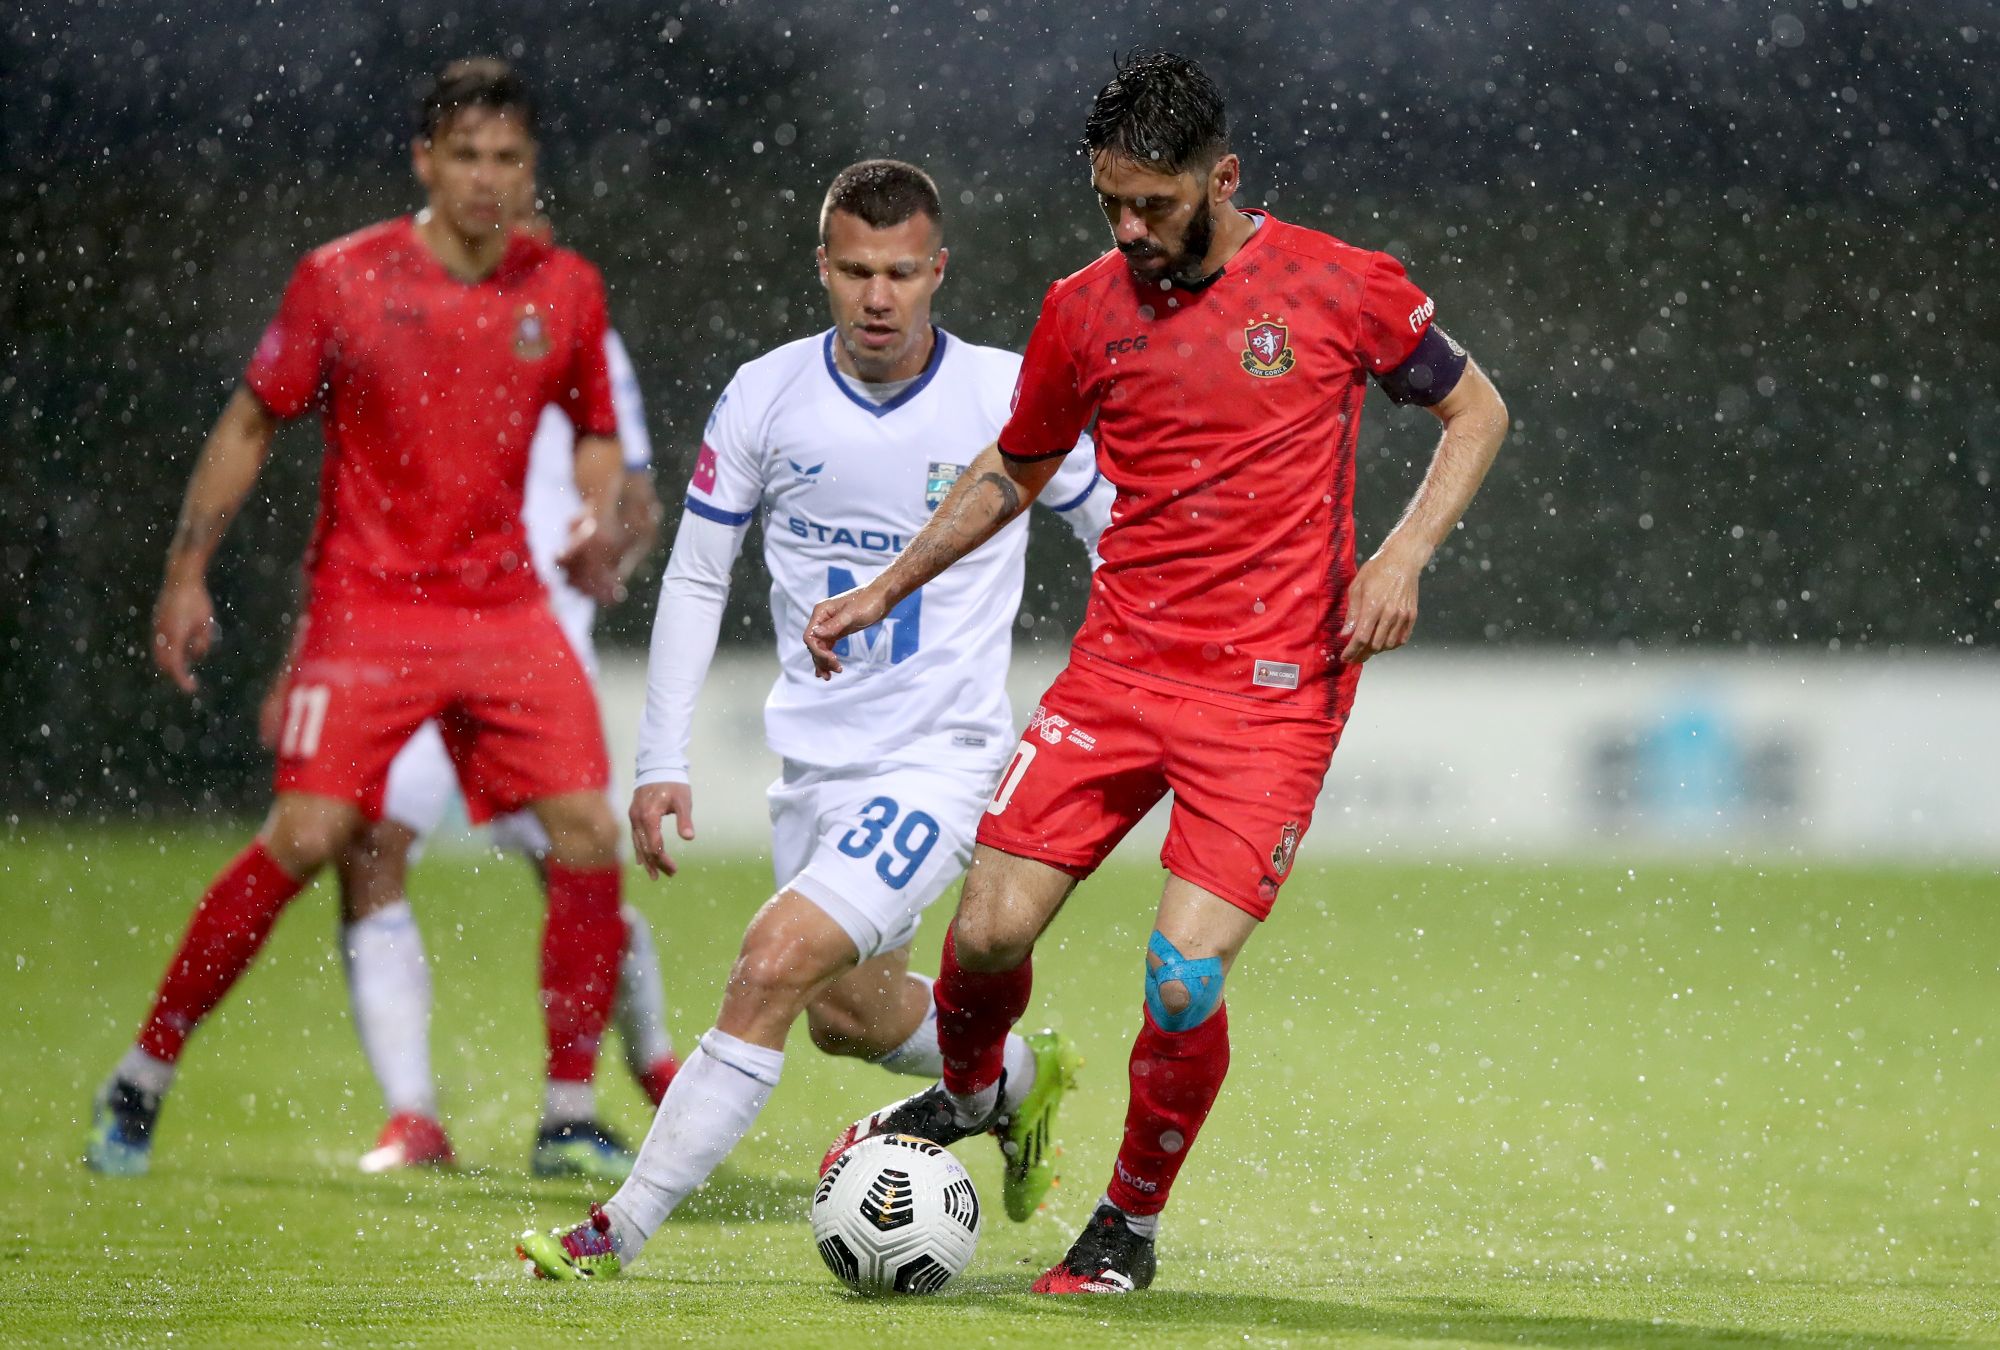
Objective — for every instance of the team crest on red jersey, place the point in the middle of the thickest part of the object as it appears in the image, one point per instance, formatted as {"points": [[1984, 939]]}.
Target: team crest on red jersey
{"points": [[531, 335], [1288, 845], [1267, 348]]}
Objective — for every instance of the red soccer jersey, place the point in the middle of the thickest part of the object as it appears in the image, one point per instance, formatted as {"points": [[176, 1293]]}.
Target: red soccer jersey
{"points": [[430, 388], [1226, 419]]}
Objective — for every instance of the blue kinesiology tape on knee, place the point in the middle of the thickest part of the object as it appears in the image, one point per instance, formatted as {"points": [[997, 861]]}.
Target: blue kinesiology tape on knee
{"points": [[1202, 979]]}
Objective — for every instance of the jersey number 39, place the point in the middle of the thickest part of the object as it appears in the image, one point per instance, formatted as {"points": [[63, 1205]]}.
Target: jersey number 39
{"points": [[905, 850]]}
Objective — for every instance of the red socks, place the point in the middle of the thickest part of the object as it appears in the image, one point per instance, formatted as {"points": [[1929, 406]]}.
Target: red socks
{"points": [[581, 943], [1175, 1076], [976, 1009], [227, 931]]}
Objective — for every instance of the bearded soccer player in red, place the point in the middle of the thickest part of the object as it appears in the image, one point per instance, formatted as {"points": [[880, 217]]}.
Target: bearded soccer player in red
{"points": [[430, 346], [1224, 354]]}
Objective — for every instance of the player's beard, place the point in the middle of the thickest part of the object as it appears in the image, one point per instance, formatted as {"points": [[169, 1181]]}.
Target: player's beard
{"points": [[1183, 266]]}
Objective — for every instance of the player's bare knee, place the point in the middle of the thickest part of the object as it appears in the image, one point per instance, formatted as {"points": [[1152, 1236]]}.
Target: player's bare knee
{"points": [[582, 831], [773, 975], [303, 837], [985, 939], [1181, 993]]}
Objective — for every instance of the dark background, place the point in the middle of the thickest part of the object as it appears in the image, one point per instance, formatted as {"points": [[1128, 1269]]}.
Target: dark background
{"points": [[1734, 267]]}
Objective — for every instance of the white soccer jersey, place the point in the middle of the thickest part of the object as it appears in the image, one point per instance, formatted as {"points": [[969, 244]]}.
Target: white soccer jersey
{"points": [[842, 483], [551, 503]]}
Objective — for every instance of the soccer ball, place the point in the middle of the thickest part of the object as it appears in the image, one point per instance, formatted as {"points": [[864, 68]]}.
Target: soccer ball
{"points": [[896, 1215]]}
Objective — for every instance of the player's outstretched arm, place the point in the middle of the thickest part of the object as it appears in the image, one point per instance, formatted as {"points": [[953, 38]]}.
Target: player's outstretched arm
{"points": [[988, 495], [1382, 602], [184, 616]]}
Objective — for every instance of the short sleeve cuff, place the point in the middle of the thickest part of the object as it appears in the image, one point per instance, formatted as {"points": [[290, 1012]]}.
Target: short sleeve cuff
{"points": [[1032, 458]]}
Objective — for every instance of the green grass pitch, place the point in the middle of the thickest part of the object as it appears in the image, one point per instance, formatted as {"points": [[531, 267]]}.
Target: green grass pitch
{"points": [[1470, 1105]]}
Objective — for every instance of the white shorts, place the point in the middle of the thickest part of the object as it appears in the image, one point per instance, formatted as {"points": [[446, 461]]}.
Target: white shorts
{"points": [[874, 847], [422, 783]]}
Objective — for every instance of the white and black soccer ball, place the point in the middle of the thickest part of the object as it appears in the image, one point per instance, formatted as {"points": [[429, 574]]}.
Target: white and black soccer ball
{"points": [[896, 1215]]}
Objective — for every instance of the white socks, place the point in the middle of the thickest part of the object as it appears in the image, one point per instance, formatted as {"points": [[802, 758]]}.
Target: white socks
{"points": [[714, 1100], [565, 1102], [920, 1057], [389, 984], [1145, 1225], [145, 1072], [640, 1010]]}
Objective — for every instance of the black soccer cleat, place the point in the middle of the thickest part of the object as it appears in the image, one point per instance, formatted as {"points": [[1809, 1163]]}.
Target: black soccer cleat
{"points": [[581, 1148], [1107, 1258], [121, 1129], [927, 1115]]}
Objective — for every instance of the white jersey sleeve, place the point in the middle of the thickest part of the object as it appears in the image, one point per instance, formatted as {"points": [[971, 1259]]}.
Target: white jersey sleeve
{"points": [[728, 482], [722, 499], [1081, 495], [636, 441], [693, 595]]}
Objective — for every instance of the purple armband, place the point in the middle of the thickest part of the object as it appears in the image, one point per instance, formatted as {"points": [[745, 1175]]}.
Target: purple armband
{"points": [[1428, 373]]}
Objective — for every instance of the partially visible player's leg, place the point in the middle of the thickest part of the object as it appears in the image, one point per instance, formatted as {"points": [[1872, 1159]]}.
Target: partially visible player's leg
{"points": [[639, 1005], [523, 731], [791, 951], [985, 1087], [639, 1010], [388, 978], [1077, 782], [881, 1012], [1244, 791], [1177, 1066], [582, 938], [228, 928]]}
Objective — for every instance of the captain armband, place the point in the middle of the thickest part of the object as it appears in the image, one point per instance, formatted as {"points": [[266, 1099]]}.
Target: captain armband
{"points": [[1428, 373]]}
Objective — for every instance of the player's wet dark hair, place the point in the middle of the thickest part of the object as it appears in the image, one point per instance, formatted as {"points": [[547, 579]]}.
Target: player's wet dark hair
{"points": [[882, 192], [1160, 110], [477, 82]]}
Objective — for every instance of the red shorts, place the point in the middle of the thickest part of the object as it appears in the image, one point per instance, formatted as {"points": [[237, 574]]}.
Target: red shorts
{"points": [[518, 712], [1099, 752]]}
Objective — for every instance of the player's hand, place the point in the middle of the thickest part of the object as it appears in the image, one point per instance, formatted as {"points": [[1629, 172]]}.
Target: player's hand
{"points": [[183, 629], [1381, 606], [590, 560], [651, 805], [832, 620]]}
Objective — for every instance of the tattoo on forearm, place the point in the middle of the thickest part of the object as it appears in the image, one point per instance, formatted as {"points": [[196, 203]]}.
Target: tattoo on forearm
{"points": [[1010, 496], [973, 519]]}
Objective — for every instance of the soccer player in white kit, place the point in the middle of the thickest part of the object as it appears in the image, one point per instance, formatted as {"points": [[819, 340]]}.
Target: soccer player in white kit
{"points": [[844, 443], [388, 978]]}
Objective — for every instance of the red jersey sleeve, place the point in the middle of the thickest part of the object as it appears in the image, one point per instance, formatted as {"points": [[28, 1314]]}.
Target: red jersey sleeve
{"points": [[1050, 410], [289, 366], [586, 393], [1394, 314]]}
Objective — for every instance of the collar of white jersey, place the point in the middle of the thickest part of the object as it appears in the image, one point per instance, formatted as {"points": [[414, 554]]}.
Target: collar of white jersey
{"points": [[938, 340]]}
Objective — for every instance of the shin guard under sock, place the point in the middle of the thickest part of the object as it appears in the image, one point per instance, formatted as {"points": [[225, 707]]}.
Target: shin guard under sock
{"points": [[975, 1011], [580, 949], [228, 929], [1175, 1076]]}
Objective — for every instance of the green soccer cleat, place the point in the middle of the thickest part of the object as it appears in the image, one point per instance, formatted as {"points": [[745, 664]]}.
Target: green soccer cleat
{"points": [[581, 1148], [1027, 1139], [121, 1129], [584, 1252]]}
